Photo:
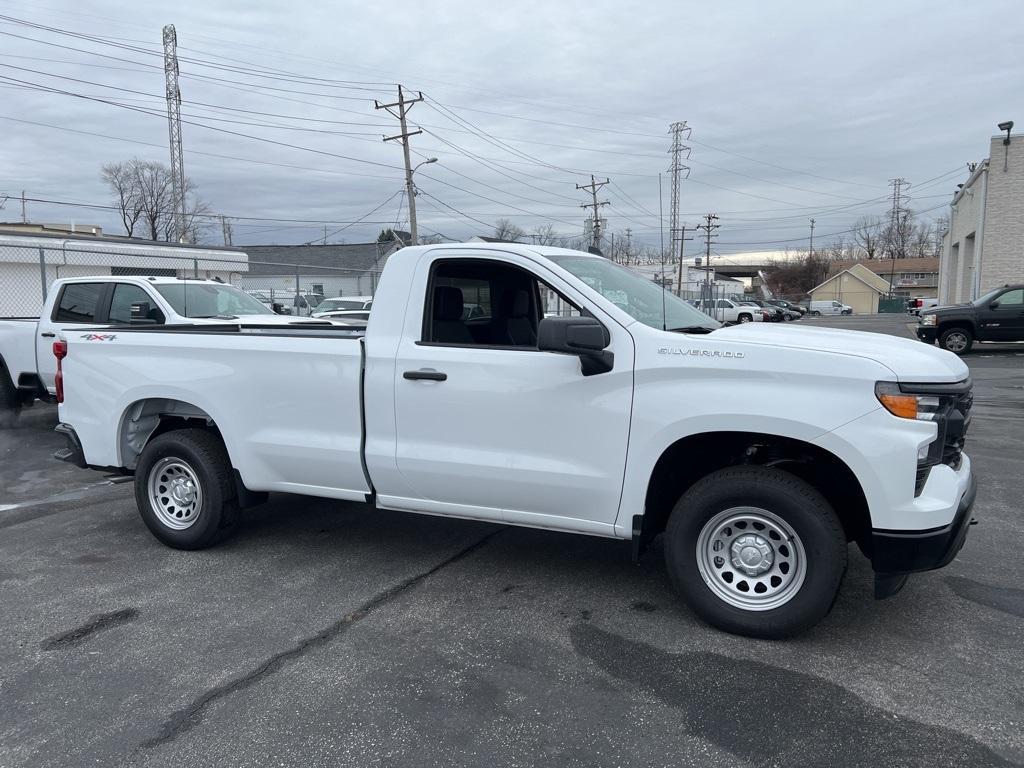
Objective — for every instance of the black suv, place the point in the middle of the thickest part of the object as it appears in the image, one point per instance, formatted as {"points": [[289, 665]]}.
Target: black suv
{"points": [[996, 316]]}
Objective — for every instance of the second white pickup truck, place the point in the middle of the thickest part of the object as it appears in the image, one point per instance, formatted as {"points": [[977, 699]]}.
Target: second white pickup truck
{"points": [[581, 398]]}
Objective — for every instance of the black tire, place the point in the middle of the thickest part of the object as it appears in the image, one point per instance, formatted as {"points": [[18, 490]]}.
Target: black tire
{"points": [[957, 340], [789, 499], [10, 401], [815, 313], [847, 312], [203, 453], [745, 318]]}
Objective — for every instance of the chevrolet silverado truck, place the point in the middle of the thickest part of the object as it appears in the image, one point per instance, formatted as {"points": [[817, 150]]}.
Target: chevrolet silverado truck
{"points": [[997, 316], [582, 398], [27, 364]]}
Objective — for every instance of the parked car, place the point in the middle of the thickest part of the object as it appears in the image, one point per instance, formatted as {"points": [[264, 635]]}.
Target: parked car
{"points": [[760, 453], [916, 305], [729, 311], [997, 316], [27, 365], [827, 307], [788, 305], [775, 314], [343, 303]]}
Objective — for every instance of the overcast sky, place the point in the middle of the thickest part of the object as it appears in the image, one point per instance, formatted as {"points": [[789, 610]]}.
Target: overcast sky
{"points": [[797, 109]]}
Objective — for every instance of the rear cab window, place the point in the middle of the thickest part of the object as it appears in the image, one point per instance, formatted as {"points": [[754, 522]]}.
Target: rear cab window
{"points": [[78, 303]]}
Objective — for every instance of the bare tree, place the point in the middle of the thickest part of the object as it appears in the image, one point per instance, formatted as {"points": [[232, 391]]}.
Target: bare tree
{"points": [[546, 235], [898, 235], [507, 231], [922, 242], [142, 190], [121, 179], [868, 235]]}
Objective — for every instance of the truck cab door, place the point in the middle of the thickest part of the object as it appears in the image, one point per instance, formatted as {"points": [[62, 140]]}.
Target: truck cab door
{"points": [[77, 304], [1003, 318], [487, 425]]}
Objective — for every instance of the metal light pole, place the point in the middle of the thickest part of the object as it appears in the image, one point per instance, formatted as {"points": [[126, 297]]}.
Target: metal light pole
{"points": [[414, 234]]}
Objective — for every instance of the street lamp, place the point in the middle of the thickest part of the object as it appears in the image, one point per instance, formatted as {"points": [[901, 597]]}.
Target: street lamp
{"points": [[411, 192]]}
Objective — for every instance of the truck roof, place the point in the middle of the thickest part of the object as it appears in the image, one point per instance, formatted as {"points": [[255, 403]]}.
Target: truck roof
{"points": [[152, 279]]}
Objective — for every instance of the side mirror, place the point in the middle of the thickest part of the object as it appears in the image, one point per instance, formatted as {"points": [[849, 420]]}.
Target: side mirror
{"points": [[994, 305], [584, 337], [140, 314]]}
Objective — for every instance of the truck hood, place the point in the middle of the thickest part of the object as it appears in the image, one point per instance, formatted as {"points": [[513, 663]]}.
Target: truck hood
{"points": [[909, 360]]}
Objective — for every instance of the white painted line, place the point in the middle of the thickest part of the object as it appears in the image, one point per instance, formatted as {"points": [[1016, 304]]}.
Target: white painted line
{"points": [[6, 507]]}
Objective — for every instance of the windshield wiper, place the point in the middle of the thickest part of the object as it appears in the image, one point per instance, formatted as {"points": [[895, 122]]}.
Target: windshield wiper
{"points": [[692, 329]]}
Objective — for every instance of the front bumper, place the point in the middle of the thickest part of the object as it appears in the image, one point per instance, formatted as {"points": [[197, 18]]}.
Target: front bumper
{"points": [[902, 552], [927, 333]]}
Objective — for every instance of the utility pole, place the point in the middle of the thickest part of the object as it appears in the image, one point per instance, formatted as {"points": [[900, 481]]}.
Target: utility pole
{"points": [[404, 104], [24, 220], [676, 168], [682, 245], [173, 93], [592, 187], [325, 234], [629, 244], [225, 226], [708, 227], [811, 250]]}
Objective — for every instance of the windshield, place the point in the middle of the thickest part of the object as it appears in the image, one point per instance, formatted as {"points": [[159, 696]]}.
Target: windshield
{"points": [[208, 300], [982, 301], [333, 305], [640, 298]]}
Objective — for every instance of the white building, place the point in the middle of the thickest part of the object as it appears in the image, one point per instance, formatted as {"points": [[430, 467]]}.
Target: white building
{"points": [[984, 247], [30, 262]]}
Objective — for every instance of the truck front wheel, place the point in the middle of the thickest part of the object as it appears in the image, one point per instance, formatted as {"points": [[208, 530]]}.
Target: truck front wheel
{"points": [[956, 340], [756, 551], [184, 489]]}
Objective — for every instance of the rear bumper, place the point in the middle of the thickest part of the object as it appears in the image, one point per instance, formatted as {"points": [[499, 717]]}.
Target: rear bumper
{"points": [[902, 552], [73, 453]]}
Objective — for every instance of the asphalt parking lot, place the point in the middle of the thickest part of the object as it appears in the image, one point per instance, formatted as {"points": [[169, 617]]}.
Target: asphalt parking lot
{"points": [[325, 633]]}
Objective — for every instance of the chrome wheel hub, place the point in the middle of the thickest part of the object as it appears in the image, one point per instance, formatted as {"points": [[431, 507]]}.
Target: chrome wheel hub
{"points": [[751, 558], [956, 342], [175, 493]]}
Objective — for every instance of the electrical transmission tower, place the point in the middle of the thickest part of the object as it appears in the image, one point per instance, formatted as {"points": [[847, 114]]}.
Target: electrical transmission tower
{"points": [[592, 187], [226, 228], [404, 104], [679, 131], [897, 218], [174, 131]]}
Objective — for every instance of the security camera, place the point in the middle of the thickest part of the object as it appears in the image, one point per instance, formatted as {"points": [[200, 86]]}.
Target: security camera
{"points": [[1007, 126]]}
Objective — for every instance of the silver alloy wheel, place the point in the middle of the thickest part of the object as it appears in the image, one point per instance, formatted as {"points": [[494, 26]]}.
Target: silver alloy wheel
{"points": [[175, 494], [956, 341], [746, 319], [751, 558]]}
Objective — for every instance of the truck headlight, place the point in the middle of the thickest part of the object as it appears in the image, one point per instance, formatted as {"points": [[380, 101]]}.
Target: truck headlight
{"points": [[928, 319], [906, 405]]}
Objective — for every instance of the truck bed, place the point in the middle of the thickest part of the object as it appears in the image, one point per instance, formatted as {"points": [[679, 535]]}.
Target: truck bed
{"points": [[287, 399]]}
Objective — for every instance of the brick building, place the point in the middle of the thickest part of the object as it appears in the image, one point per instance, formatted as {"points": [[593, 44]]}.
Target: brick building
{"points": [[984, 247]]}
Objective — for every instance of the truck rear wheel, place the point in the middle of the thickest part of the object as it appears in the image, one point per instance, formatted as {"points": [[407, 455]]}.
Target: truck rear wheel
{"points": [[746, 318], [184, 489], [10, 402], [756, 551], [957, 340]]}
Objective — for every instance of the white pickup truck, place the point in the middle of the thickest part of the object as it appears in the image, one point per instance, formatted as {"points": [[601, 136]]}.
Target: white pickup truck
{"points": [[27, 364], [583, 398]]}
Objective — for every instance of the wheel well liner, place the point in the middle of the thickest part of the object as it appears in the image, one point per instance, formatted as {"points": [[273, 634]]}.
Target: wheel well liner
{"points": [[145, 419], [689, 459]]}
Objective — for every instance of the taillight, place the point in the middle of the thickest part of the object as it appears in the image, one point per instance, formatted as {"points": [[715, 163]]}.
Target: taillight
{"points": [[60, 351]]}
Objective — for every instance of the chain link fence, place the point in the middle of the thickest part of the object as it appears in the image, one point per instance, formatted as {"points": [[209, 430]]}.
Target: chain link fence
{"points": [[28, 270]]}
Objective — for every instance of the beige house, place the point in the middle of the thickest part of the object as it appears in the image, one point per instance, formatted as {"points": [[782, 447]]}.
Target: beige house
{"points": [[856, 286], [984, 247]]}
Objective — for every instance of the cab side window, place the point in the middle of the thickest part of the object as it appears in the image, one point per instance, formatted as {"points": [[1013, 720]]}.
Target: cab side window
{"points": [[78, 303], [121, 304], [1011, 299], [479, 302]]}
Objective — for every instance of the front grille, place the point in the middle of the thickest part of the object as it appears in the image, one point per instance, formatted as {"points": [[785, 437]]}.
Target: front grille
{"points": [[952, 419]]}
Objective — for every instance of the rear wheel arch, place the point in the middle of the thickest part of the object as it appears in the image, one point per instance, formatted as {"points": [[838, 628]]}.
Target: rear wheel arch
{"points": [[690, 459], [146, 419]]}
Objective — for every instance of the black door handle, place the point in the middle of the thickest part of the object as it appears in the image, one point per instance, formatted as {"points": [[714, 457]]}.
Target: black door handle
{"points": [[425, 376], [48, 335]]}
